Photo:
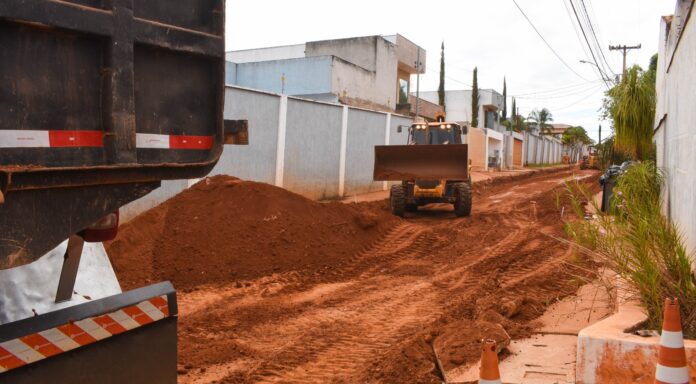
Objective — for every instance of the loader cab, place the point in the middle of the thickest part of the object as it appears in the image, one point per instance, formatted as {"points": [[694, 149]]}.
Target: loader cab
{"points": [[437, 133]]}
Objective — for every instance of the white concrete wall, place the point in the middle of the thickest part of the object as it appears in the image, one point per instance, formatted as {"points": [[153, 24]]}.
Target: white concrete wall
{"points": [[675, 122], [542, 149], [320, 150]]}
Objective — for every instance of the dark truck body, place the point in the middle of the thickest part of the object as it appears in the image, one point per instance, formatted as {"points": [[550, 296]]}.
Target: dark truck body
{"points": [[89, 91], [100, 100]]}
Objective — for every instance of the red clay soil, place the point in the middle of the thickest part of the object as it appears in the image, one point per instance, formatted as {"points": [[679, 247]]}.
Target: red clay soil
{"points": [[277, 288], [224, 229]]}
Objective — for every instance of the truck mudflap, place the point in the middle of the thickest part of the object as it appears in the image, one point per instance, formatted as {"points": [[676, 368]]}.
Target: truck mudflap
{"points": [[421, 162], [125, 338]]}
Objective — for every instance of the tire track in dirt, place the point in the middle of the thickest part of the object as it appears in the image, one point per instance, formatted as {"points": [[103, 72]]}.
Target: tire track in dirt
{"points": [[362, 312], [372, 319]]}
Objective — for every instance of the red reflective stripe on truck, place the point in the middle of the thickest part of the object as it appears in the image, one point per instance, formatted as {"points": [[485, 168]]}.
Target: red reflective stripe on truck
{"points": [[190, 142], [63, 139], [50, 342]]}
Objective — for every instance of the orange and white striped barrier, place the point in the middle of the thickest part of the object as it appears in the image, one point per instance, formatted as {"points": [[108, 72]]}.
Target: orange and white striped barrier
{"points": [[75, 334], [671, 363], [489, 373]]}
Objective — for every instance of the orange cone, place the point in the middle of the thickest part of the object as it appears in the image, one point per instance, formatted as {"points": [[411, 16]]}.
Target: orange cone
{"points": [[671, 362], [489, 364]]}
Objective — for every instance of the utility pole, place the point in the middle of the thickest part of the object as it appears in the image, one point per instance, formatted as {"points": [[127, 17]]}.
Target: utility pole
{"points": [[418, 83], [625, 50], [600, 134]]}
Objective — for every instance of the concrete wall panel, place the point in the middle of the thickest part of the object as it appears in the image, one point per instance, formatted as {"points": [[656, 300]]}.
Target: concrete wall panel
{"points": [[304, 76], [255, 161], [365, 130], [312, 147]]}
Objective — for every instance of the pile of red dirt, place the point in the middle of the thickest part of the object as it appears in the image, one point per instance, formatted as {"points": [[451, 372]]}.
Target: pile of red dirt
{"points": [[224, 229]]}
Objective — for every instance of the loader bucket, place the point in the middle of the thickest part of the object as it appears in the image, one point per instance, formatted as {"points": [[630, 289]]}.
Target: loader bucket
{"points": [[421, 162]]}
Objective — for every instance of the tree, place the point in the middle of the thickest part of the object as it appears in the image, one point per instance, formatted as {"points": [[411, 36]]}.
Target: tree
{"points": [[505, 100], [631, 106], [475, 99], [541, 119], [441, 88], [575, 138]]}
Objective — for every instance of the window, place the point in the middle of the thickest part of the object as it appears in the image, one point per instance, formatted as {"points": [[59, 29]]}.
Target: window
{"points": [[403, 91]]}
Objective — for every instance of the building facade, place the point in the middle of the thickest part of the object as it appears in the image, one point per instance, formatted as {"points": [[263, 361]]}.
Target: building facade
{"points": [[458, 107], [675, 131], [371, 72]]}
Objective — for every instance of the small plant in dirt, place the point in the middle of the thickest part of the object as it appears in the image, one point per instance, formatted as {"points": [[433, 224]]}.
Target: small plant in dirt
{"points": [[639, 243]]}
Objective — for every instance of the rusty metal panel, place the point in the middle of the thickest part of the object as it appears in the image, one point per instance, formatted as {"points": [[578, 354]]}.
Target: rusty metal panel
{"points": [[100, 100], [82, 80]]}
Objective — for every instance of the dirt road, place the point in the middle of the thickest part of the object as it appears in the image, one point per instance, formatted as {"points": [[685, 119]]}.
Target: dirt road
{"points": [[430, 282]]}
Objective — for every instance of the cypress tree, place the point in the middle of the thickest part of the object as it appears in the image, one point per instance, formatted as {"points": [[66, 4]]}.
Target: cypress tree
{"points": [[513, 116], [505, 99], [475, 100], [441, 88]]}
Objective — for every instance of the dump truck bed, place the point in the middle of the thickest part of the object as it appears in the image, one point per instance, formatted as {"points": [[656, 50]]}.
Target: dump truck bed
{"points": [[100, 100]]}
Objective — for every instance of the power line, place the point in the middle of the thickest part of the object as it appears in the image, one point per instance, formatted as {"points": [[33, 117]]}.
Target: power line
{"points": [[560, 95], [572, 5], [594, 34], [546, 42], [575, 28], [553, 90]]}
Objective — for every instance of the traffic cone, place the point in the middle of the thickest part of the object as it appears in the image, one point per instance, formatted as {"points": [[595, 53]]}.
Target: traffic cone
{"points": [[671, 362], [489, 373]]}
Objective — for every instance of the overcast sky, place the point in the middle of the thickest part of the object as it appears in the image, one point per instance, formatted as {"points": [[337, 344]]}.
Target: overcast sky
{"points": [[492, 35]]}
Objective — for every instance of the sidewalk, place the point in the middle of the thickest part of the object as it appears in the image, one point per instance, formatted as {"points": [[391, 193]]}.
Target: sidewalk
{"points": [[549, 356], [476, 177]]}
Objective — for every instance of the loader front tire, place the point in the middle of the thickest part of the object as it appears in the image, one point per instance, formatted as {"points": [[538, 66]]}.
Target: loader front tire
{"points": [[397, 200], [462, 202]]}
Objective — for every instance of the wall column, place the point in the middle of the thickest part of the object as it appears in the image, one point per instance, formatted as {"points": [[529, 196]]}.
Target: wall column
{"points": [[342, 153], [280, 147], [385, 184]]}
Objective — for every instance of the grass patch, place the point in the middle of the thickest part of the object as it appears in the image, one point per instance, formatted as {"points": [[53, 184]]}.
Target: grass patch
{"points": [[640, 244], [545, 165]]}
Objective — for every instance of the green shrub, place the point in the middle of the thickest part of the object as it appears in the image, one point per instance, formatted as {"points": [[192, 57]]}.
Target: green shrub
{"points": [[640, 244]]}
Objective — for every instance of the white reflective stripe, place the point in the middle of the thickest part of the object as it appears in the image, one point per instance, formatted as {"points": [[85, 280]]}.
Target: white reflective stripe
{"points": [[123, 319], [150, 310], [22, 351], [671, 339], [93, 329], [672, 375], [482, 381], [150, 140], [59, 339], [24, 139]]}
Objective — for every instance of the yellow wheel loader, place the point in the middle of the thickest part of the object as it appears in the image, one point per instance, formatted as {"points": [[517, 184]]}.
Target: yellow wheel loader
{"points": [[432, 168]]}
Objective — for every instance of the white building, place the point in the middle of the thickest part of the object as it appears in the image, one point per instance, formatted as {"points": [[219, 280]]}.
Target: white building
{"points": [[372, 72], [675, 118], [458, 107]]}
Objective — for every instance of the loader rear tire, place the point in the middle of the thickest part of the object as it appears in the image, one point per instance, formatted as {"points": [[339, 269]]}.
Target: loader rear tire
{"points": [[397, 200], [462, 202]]}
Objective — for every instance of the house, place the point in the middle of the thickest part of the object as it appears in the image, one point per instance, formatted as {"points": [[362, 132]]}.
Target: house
{"points": [[675, 132], [458, 107], [557, 130], [372, 72], [491, 146]]}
